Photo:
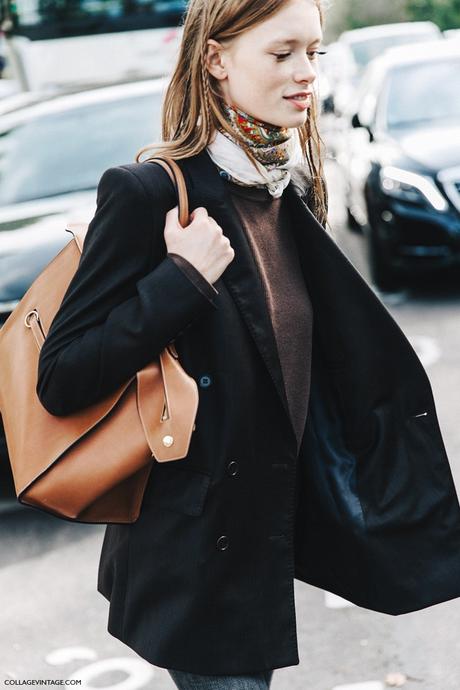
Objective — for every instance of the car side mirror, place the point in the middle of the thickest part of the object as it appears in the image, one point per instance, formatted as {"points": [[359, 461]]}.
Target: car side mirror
{"points": [[355, 121], [328, 104], [357, 124]]}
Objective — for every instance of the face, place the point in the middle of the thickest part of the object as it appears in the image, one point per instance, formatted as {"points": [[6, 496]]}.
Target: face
{"points": [[258, 69]]}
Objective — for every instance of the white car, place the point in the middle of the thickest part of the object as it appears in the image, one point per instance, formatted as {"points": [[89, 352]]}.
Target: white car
{"points": [[358, 47], [53, 152], [452, 33]]}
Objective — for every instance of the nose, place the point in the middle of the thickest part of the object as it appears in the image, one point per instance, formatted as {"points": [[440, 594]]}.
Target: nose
{"points": [[306, 72]]}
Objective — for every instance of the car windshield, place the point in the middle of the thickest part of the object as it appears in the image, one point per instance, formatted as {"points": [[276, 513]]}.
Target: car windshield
{"points": [[423, 93], [365, 51], [68, 151]]}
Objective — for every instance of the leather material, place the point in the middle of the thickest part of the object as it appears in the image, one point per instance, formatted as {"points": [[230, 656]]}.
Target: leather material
{"points": [[93, 465]]}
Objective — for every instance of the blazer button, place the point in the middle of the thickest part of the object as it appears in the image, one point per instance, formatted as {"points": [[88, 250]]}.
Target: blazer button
{"points": [[232, 468], [222, 542], [205, 381]]}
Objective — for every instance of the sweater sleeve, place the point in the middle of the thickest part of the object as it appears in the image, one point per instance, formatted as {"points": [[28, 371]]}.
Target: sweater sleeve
{"points": [[117, 314]]}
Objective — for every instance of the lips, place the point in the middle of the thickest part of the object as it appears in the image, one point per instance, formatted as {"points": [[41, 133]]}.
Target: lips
{"points": [[303, 94], [301, 103]]}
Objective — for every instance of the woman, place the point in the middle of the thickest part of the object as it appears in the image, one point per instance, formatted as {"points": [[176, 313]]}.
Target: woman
{"points": [[357, 496]]}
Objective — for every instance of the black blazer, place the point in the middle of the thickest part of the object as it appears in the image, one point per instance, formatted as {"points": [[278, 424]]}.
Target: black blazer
{"points": [[203, 581]]}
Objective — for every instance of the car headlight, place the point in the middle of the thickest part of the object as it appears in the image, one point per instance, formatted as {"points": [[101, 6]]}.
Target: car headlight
{"points": [[410, 186]]}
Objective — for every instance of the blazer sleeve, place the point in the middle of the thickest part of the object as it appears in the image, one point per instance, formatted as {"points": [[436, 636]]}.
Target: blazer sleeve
{"points": [[195, 275], [117, 314]]}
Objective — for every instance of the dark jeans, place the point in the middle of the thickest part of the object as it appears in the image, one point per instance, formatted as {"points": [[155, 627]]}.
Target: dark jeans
{"points": [[192, 681]]}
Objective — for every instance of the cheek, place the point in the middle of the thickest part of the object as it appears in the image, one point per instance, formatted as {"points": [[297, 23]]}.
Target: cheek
{"points": [[260, 79]]}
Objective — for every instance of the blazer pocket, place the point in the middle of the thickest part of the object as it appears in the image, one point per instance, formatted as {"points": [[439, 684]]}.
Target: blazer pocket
{"points": [[180, 489]]}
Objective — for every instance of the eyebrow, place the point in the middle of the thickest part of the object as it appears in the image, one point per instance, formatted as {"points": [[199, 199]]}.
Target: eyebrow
{"points": [[291, 41]]}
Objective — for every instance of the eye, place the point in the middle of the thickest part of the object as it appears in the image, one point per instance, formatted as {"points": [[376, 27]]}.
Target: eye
{"points": [[311, 54]]}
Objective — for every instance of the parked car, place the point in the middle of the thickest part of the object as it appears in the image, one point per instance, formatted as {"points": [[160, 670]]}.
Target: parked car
{"points": [[69, 45], [357, 47], [452, 33], [401, 161], [52, 155]]}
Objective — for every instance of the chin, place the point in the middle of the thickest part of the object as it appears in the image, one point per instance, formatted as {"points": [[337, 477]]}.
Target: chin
{"points": [[295, 121], [292, 119], [300, 119]]}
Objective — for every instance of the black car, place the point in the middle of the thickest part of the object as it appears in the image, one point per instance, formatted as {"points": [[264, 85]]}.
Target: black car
{"points": [[402, 161]]}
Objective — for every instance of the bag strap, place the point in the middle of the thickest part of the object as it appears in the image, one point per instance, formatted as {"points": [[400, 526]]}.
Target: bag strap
{"points": [[177, 178]]}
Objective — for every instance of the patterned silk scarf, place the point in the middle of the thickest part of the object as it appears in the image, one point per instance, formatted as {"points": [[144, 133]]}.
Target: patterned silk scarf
{"points": [[276, 149]]}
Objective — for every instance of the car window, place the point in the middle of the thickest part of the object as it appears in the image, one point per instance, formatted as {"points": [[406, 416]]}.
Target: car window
{"points": [[68, 151], [367, 93], [365, 51], [420, 93]]}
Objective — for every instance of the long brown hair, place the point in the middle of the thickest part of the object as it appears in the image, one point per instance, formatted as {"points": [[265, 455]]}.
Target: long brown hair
{"points": [[191, 108]]}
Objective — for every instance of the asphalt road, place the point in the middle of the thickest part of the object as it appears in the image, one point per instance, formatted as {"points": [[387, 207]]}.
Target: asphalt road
{"points": [[53, 621]]}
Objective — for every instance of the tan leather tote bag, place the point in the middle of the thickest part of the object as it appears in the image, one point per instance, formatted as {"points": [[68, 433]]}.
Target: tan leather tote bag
{"points": [[91, 466]]}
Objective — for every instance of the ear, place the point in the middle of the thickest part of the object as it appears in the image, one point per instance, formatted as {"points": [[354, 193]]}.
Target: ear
{"points": [[215, 60]]}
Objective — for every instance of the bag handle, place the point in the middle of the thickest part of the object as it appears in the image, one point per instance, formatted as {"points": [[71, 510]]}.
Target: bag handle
{"points": [[177, 178]]}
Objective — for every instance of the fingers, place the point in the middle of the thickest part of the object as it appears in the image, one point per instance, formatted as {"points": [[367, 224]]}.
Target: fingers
{"points": [[199, 212], [173, 212]]}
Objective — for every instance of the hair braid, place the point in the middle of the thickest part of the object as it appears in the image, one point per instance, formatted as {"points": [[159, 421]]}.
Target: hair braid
{"points": [[206, 110]]}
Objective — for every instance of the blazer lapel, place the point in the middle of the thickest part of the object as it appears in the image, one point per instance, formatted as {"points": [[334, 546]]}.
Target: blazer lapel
{"points": [[241, 277]]}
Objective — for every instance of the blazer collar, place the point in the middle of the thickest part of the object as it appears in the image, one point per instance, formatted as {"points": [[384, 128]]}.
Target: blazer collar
{"points": [[241, 277]]}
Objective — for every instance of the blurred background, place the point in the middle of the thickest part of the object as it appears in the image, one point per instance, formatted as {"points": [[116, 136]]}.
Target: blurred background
{"points": [[81, 86]]}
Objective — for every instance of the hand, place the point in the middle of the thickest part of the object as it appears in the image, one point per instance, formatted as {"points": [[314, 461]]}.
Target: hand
{"points": [[201, 242]]}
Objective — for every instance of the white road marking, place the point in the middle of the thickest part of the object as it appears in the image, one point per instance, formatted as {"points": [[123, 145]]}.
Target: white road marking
{"points": [[64, 655], [139, 673], [368, 685], [333, 601], [427, 349]]}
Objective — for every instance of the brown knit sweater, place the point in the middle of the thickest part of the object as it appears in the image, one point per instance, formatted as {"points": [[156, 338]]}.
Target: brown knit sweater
{"points": [[268, 228], [266, 222]]}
